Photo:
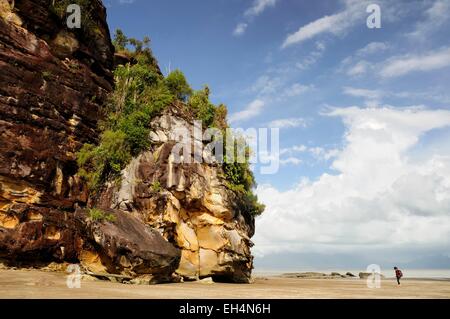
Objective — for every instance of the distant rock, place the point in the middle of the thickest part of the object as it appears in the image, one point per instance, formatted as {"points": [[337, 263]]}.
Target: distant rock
{"points": [[365, 275], [349, 274], [313, 275]]}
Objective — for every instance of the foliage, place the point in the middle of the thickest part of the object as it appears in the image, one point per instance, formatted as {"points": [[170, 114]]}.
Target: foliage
{"points": [[141, 92], [47, 75], [156, 186], [120, 40], [241, 180], [203, 109], [177, 84], [98, 215], [98, 163]]}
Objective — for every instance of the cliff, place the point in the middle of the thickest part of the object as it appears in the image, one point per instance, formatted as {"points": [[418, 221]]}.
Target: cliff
{"points": [[190, 205], [54, 84]]}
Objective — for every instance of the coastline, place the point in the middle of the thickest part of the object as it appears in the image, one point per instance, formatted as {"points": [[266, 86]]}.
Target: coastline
{"points": [[36, 284]]}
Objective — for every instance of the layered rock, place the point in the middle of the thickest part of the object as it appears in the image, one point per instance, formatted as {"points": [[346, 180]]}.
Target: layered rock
{"points": [[53, 84], [168, 217], [187, 202]]}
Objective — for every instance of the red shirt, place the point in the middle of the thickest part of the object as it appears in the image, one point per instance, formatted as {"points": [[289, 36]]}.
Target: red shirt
{"points": [[398, 273]]}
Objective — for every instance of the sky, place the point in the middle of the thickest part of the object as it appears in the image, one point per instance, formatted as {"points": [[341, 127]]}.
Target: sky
{"points": [[364, 117]]}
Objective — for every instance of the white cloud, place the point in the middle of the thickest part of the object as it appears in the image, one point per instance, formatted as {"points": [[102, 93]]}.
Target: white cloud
{"points": [[240, 29], [289, 123], [435, 16], [258, 7], [291, 161], [355, 65], [380, 196], [296, 89], [266, 85], [252, 110], [336, 24], [324, 154], [294, 149], [372, 97], [312, 57], [371, 48], [278, 88], [359, 68], [401, 65], [369, 94]]}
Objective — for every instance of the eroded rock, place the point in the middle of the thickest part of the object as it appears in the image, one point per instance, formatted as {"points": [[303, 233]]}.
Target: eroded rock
{"points": [[191, 206]]}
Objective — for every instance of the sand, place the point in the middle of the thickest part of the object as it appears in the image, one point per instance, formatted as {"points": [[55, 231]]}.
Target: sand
{"points": [[38, 284]]}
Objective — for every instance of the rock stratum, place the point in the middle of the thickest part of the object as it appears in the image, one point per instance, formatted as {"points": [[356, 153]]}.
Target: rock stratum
{"points": [[171, 221]]}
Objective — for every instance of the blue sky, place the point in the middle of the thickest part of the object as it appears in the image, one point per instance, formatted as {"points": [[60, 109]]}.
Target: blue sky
{"points": [[363, 112]]}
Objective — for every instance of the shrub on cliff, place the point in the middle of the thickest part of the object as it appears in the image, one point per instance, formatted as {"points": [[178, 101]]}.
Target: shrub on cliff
{"points": [[177, 84], [202, 107]]}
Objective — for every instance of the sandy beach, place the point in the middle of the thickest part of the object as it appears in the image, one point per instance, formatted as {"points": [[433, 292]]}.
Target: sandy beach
{"points": [[39, 284]]}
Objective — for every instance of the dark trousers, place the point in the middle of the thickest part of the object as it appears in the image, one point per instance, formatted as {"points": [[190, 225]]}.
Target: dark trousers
{"points": [[398, 280]]}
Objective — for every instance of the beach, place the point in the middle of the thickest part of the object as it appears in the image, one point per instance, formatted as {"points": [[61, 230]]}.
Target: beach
{"points": [[33, 284]]}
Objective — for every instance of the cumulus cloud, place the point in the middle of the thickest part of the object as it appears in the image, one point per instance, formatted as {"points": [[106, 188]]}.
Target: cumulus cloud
{"points": [[381, 194]]}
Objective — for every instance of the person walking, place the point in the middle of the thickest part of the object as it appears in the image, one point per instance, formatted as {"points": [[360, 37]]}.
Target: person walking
{"points": [[398, 274]]}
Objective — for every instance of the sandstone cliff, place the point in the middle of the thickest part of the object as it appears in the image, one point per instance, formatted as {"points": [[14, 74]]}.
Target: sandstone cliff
{"points": [[188, 203], [53, 86]]}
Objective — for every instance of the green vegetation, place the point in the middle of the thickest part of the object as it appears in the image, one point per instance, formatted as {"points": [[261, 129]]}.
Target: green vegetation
{"points": [[203, 109], [178, 86], [141, 93], [156, 186], [47, 75], [98, 215], [241, 180]]}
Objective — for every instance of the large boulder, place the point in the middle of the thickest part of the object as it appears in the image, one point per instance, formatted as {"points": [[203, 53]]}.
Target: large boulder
{"points": [[126, 246]]}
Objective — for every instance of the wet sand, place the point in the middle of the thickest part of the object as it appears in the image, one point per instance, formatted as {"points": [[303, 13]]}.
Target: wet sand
{"points": [[38, 284]]}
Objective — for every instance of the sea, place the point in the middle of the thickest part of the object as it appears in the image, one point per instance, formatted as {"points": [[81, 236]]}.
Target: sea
{"points": [[438, 274]]}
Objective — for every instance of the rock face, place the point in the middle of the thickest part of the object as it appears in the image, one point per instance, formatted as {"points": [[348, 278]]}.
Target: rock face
{"points": [[188, 203], [53, 84]]}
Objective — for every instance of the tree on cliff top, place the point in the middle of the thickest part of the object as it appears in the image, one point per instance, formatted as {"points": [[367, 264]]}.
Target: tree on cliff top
{"points": [[177, 84]]}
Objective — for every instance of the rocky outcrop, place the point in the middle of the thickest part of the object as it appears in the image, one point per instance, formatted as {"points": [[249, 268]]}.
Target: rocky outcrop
{"points": [[170, 220], [53, 86], [188, 203]]}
